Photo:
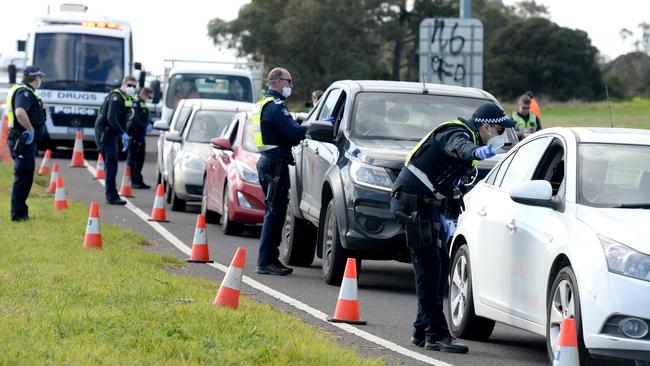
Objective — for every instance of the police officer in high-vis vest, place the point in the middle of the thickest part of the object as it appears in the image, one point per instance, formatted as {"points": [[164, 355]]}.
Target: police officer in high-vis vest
{"points": [[138, 127], [26, 118], [434, 171], [275, 133], [110, 125], [526, 121]]}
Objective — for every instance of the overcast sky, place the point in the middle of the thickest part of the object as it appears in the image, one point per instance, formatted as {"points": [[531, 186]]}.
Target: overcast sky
{"points": [[162, 30]]}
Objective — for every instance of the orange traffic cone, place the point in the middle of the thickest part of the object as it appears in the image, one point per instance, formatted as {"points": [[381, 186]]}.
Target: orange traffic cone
{"points": [[347, 307], [55, 174], [99, 171], [4, 134], [228, 294], [158, 212], [200, 252], [45, 164], [567, 345], [60, 203], [93, 238], [78, 152], [125, 188]]}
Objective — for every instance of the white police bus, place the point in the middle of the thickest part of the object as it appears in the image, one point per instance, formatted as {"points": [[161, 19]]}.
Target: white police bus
{"points": [[83, 57]]}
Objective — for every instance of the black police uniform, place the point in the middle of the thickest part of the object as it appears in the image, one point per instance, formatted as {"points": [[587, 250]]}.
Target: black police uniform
{"points": [[280, 129], [446, 157], [109, 127], [137, 130], [24, 160]]}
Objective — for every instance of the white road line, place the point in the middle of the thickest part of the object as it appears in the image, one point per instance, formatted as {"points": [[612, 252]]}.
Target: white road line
{"points": [[279, 295]]}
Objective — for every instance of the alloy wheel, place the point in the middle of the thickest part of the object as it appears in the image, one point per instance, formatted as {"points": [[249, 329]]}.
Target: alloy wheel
{"points": [[458, 291], [562, 306]]}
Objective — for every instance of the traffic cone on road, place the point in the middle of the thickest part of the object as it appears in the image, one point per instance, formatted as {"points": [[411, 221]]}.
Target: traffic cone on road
{"points": [[4, 134], [567, 345], [93, 238], [45, 164], [125, 189], [99, 171], [60, 203], [158, 212], [200, 252], [78, 152], [347, 306], [55, 174], [228, 294]]}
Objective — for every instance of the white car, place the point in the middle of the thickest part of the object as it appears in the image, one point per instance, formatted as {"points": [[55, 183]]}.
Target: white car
{"points": [[560, 228], [184, 147]]}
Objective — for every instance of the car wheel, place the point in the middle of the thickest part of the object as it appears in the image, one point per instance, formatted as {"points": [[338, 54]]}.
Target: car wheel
{"points": [[210, 216], [177, 203], [228, 226], [464, 323], [334, 255], [158, 178], [298, 240], [563, 302], [168, 192]]}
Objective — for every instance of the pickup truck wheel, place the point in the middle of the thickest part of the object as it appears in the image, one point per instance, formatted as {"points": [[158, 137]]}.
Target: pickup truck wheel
{"points": [[334, 255], [298, 240]]}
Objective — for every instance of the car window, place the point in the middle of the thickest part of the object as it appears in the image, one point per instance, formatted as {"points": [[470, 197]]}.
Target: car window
{"points": [[489, 179], [329, 104], [249, 137], [502, 169], [207, 124], [233, 134], [183, 116], [551, 166], [524, 162]]}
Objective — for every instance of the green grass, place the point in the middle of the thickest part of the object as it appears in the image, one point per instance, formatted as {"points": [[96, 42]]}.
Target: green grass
{"points": [[63, 305], [633, 113]]}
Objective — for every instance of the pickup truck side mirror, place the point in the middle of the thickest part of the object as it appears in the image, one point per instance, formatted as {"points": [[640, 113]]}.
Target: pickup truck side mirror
{"points": [[221, 143], [173, 136], [321, 131], [161, 125]]}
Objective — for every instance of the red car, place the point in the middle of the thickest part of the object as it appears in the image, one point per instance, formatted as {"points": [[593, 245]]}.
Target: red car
{"points": [[231, 188]]}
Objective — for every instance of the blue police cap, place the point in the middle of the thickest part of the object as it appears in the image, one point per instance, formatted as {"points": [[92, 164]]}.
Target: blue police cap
{"points": [[492, 114], [32, 71]]}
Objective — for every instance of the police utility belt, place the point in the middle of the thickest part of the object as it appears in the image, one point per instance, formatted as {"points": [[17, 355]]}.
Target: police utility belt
{"points": [[420, 231]]}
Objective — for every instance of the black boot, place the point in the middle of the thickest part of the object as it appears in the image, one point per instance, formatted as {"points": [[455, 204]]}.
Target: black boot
{"points": [[447, 344]]}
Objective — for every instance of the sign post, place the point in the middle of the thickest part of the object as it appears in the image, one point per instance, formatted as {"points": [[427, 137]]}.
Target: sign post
{"points": [[451, 51]]}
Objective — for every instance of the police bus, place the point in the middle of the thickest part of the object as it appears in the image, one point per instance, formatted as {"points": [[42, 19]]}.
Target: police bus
{"points": [[83, 57]]}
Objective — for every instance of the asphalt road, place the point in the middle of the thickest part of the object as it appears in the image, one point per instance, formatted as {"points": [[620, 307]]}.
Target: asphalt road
{"points": [[386, 289]]}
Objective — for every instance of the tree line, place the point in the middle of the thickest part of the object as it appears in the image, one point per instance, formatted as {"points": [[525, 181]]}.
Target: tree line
{"points": [[321, 41]]}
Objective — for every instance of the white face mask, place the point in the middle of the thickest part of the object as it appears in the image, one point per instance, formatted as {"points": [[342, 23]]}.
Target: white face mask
{"points": [[148, 100], [286, 91], [130, 90]]}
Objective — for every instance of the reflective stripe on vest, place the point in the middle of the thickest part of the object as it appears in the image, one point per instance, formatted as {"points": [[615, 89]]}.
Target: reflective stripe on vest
{"points": [[10, 101], [425, 138], [522, 123], [257, 124]]}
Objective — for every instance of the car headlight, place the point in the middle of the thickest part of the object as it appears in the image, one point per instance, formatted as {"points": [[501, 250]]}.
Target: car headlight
{"points": [[370, 176], [624, 260], [247, 174], [193, 162]]}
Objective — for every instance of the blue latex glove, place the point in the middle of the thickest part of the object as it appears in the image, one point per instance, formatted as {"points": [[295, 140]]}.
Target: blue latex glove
{"points": [[329, 119], [149, 128], [484, 152], [30, 136], [125, 141], [445, 228]]}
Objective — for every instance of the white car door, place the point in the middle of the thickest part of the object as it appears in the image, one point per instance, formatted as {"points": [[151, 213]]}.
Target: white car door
{"points": [[498, 262]]}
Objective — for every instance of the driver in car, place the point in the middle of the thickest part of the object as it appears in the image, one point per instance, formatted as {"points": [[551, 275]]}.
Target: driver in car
{"points": [[433, 172]]}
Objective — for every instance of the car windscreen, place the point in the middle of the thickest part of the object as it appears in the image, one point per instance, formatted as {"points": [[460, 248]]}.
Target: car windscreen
{"points": [[208, 124], [249, 136], [208, 86], [614, 175], [406, 116], [73, 61]]}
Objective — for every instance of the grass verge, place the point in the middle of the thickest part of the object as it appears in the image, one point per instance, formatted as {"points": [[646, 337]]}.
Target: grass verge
{"points": [[61, 304]]}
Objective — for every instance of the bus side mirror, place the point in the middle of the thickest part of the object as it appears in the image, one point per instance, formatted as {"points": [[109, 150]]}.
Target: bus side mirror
{"points": [[141, 79], [21, 46], [11, 69], [137, 66], [157, 93]]}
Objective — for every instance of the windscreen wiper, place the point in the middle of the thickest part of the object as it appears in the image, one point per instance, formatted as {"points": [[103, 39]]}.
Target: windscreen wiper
{"points": [[633, 205], [71, 84], [100, 86]]}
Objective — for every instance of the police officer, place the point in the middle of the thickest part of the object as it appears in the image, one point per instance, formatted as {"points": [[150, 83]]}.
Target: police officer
{"points": [[111, 125], [434, 172], [275, 133], [526, 121], [25, 107], [138, 126]]}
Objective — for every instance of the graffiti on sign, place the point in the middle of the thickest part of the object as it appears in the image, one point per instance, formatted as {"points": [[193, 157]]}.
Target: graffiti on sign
{"points": [[451, 51]]}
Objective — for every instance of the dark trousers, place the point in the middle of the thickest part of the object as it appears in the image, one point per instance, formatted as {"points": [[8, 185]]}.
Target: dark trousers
{"points": [[109, 151], [431, 265], [276, 209], [24, 165], [136, 158]]}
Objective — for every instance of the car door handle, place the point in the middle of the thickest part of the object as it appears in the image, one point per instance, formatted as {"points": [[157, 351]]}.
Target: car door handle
{"points": [[316, 150], [481, 211], [512, 226]]}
